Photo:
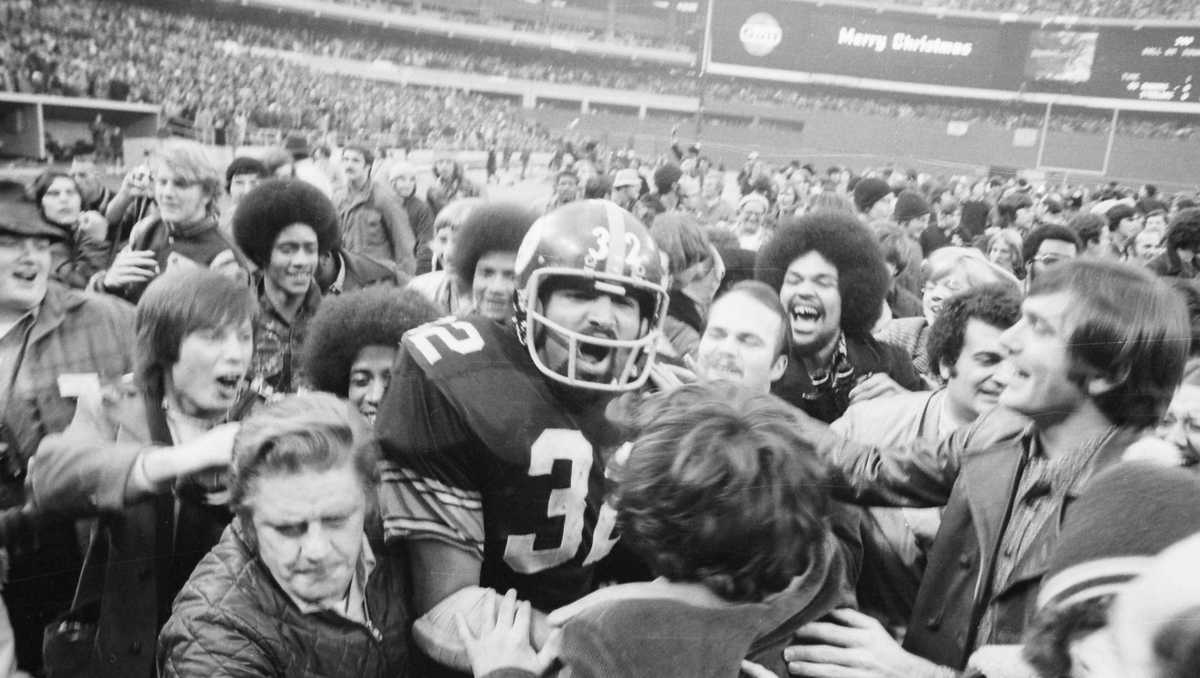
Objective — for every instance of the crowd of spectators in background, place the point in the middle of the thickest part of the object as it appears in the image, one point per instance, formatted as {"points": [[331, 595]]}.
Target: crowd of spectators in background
{"points": [[205, 72], [1116, 9]]}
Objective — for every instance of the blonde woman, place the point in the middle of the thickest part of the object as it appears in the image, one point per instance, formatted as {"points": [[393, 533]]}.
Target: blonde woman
{"points": [[948, 271], [181, 232]]}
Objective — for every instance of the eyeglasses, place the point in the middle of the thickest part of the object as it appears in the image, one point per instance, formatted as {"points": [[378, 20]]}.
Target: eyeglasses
{"points": [[1051, 259], [950, 286]]}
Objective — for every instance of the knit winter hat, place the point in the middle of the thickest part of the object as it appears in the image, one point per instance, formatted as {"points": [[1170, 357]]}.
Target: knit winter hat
{"points": [[1127, 515], [868, 191], [276, 204], [909, 205]]}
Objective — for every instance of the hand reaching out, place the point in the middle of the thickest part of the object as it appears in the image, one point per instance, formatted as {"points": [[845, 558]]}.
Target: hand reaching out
{"points": [[503, 640], [854, 645]]}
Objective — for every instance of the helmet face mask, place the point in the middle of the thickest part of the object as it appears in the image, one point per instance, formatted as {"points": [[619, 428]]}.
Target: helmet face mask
{"points": [[572, 248]]}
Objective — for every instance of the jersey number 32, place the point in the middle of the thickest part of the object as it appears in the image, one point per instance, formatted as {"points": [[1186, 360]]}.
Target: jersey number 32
{"points": [[557, 444]]}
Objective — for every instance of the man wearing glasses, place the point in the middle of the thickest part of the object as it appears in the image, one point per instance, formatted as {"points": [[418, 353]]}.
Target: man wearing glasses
{"points": [[1047, 246]]}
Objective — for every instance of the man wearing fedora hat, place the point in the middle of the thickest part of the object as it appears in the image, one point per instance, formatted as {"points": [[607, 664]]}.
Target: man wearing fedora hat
{"points": [[55, 344]]}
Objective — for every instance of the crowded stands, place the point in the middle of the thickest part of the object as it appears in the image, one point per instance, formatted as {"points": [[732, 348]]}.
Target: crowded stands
{"points": [[203, 68], [330, 406]]}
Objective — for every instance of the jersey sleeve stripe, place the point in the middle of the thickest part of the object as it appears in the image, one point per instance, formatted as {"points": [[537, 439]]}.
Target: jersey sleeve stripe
{"points": [[393, 474], [407, 528], [413, 506]]}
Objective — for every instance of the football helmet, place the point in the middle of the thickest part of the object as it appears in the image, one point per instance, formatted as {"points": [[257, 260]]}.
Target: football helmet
{"points": [[599, 246]]}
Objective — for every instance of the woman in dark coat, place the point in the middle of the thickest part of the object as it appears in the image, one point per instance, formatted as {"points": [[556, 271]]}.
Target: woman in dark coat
{"points": [[146, 457]]}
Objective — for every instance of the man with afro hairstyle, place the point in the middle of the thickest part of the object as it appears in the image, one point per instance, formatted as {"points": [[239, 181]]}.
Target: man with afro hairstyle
{"points": [[485, 251], [353, 339], [831, 278], [283, 226]]}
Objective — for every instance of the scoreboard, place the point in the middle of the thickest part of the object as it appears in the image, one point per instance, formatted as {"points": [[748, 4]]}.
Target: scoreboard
{"points": [[778, 38]]}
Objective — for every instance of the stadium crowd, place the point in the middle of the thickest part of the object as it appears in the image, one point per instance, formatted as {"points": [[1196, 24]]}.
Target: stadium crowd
{"points": [[205, 72], [1114, 9], [1179, 10], [316, 413]]}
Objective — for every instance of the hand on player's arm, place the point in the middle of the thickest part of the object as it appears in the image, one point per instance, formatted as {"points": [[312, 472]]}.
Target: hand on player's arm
{"points": [[446, 591], [854, 645], [503, 641]]}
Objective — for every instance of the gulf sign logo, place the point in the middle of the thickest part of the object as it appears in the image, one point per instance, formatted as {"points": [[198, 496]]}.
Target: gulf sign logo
{"points": [[760, 34]]}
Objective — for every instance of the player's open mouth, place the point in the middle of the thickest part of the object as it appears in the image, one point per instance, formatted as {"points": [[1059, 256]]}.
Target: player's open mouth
{"points": [[594, 354]]}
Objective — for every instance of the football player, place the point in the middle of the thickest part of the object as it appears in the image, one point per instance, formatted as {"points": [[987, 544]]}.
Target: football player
{"points": [[494, 436]]}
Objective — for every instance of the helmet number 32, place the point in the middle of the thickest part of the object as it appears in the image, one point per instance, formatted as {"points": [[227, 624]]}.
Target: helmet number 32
{"points": [[603, 248]]}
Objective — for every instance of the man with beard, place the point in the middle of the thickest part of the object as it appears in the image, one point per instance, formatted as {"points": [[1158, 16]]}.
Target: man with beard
{"points": [[832, 281], [495, 437]]}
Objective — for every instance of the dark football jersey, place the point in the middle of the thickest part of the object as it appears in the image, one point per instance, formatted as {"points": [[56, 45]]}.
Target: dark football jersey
{"points": [[482, 453]]}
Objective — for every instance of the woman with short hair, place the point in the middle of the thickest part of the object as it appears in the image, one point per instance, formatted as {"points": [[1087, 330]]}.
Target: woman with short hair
{"points": [[145, 456]]}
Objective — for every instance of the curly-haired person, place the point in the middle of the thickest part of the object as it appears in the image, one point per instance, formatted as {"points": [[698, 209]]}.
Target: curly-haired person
{"points": [[832, 280], [723, 496], [353, 339], [485, 252]]}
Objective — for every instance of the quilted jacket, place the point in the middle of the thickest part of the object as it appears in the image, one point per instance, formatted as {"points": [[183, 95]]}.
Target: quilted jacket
{"points": [[232, 619]]}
